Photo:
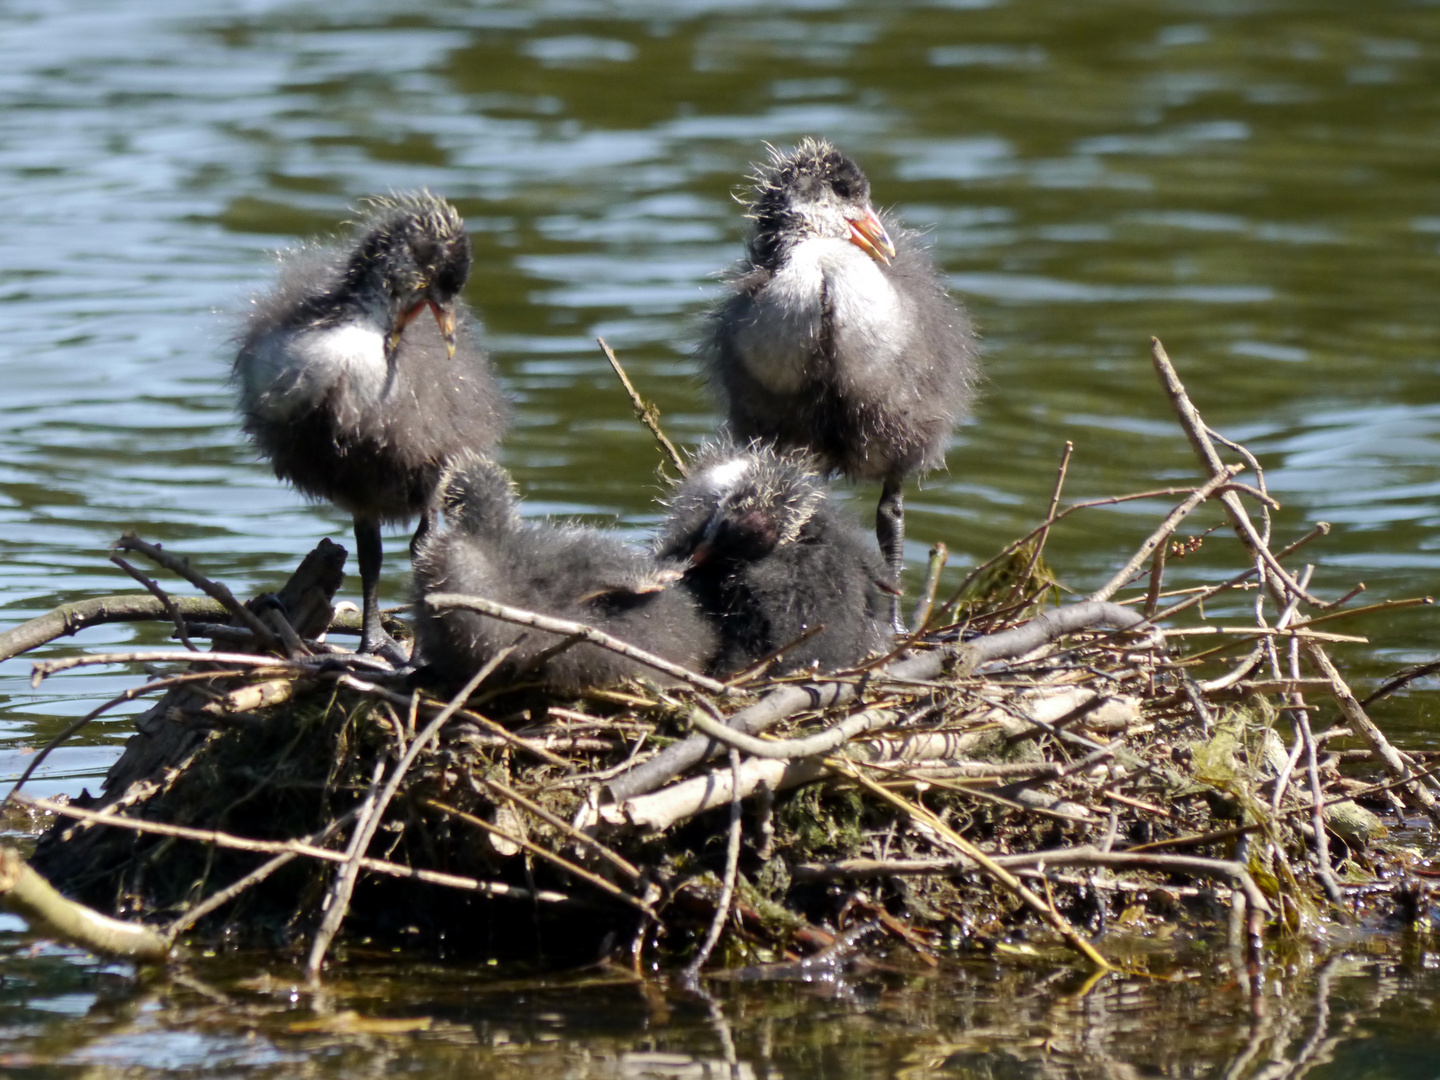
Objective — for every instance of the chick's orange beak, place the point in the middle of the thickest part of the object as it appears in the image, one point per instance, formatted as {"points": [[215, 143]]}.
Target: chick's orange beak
{"points": [[870, 236], [444, 318]]}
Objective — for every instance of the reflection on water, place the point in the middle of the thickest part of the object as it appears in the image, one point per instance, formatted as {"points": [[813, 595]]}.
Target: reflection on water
{"points": [[1253, 181], [1336, 1012]]}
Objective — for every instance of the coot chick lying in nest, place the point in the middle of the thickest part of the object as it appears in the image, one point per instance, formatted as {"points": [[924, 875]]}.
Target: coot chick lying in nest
{"points": [[770, 559], [565, 571], [352, 396], [837, 335]]}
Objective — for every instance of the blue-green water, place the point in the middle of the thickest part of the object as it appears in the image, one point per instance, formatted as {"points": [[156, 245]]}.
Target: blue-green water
{"points": [[1254, 182]]}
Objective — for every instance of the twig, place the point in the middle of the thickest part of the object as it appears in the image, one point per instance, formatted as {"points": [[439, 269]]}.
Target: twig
{"points": [[75, 725], [297, 847], [645, 412], [1157, 538], [160, 594], [1009, 881], [182, 568], [727, 888], [1039, 547], [1365, 727], [506, 613], [789, 700], [822, 742], [619, 862], [219, 899], [926, 602], [607, 887], [1200, 439], [366, 825], [1403, 678]]}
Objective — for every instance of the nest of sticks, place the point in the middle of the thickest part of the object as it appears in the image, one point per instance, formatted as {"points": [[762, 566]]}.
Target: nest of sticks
{"points": [[1015, 771]]}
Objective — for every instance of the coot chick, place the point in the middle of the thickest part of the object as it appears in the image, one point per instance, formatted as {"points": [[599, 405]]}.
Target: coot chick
{"points": [[565, 571], [837, 335], [770, 559], [352, 396]]}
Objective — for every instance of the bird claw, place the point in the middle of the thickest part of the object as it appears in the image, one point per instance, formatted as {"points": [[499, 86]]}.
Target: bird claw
{"points": [[385, 647]]}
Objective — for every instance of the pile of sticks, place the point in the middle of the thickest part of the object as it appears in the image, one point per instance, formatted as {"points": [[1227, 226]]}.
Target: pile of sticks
{"points": [[1005, 770]]}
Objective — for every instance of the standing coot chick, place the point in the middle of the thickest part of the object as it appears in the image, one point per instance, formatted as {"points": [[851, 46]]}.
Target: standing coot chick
{"points": [[838, 337], [565, 571], [352, 395], [770, 559]]}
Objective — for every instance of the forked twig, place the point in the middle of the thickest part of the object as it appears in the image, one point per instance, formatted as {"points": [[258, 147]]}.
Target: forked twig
{"points": [[645, 412]]}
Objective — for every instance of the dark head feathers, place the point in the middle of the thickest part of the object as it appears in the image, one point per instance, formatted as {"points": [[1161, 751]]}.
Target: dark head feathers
{"points": [[410, 244], [809, 190], [746, 498]]}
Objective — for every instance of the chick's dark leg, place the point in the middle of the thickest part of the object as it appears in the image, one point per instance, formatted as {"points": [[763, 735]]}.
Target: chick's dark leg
{"points": [[890, 531], [373, 638]]}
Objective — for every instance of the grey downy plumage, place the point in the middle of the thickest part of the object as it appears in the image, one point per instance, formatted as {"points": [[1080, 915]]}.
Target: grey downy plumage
{"points": [[770, 558], [837, 335], [356, 398], [564, 571]]}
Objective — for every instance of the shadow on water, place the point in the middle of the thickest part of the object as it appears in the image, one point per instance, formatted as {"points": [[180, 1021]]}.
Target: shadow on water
{"points": [[1252, 181]]}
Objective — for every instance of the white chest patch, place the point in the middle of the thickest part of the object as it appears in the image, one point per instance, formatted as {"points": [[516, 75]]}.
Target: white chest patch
{"points": [[293, 373], [778, 345]]}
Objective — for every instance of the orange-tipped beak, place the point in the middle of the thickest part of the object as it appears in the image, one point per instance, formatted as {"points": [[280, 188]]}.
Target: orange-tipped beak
{"points": [[870, 236], [444, 318]]}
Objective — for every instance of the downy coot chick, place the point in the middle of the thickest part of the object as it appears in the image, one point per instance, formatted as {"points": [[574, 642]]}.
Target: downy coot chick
{"points": [[351, 394], [770, 559], [837, 335], [565, 571]]}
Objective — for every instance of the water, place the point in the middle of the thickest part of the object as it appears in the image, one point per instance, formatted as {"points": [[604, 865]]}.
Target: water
{"points": [[1251, 181]]}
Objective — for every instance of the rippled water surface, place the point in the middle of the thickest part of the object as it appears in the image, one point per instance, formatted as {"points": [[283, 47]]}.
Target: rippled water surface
{"points": [[1254, 182]]}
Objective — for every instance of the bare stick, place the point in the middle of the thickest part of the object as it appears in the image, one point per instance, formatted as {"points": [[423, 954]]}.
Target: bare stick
{"points": [[926, 603], [29, 895], [43, 668], [619, 862], [822, 742], [646, 413], [727, 887], [365, 826], [222, 897], [160, 594], [1366, 729], [1009, 881], [71, 618], [1404, 678], [789, 700], [1161, 534], [76, 725], [608, 887], [298, 847], [521, 617], [1205, 448], [182, 568], [1064, 468]]}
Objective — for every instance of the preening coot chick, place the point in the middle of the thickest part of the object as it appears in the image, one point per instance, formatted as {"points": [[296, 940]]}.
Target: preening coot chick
{"points": [[565, 571], [351, 394], [837, 335], [770, 558]]}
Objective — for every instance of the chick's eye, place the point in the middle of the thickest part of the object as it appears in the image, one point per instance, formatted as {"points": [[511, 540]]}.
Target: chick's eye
{"points": [[842, 188]]}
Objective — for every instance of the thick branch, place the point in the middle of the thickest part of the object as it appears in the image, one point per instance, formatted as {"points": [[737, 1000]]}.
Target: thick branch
{"points": [[30, 896]]}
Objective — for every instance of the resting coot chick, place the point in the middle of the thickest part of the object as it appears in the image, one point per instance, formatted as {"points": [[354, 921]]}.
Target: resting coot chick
{"points": [[565, 571], [354, 397], [837, 335], [770, 558]]}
